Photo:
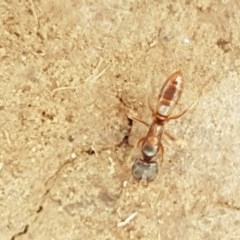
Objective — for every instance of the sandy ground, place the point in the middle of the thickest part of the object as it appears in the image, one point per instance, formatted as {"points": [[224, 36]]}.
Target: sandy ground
{"points": [[72, 75]]}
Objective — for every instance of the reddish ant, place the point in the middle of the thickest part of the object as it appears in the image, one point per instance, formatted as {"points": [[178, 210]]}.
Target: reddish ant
{"points": [[146, 168]]}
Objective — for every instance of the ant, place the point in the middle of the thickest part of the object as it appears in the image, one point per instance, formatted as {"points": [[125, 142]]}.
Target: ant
{"points": [[146, 168]]}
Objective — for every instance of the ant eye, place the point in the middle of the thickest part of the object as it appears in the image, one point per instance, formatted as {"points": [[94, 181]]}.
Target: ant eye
{"points": [[144, 171]]}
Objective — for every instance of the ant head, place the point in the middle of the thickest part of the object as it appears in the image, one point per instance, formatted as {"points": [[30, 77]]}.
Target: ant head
{"points": [[144, 171]]}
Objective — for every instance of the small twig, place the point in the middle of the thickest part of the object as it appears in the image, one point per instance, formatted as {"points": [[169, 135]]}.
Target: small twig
{"points": [[96, 74], [92, 78], [7, 137], [112, 166], [34, 13], [1, 166], [127, 220], [63, 88]]}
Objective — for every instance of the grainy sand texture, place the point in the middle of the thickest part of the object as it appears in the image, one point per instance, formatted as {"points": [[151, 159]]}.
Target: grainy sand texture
{"points": [[72, 74]]}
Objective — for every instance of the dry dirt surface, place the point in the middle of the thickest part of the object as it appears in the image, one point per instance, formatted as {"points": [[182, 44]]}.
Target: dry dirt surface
{"points": [[73, 73]]}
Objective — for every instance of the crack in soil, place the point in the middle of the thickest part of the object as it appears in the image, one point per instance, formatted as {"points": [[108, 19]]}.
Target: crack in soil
{"points": [[24, 231], [52, 179]]}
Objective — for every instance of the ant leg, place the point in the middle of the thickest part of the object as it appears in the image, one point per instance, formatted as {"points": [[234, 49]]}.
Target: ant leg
{"points": [[150, 106], [139, 120], [162, 153], [140, 140], [169, 136], [184, 111], [192, 105]]}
